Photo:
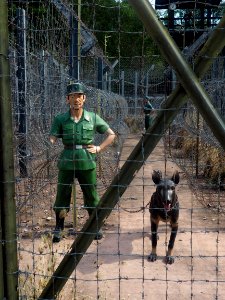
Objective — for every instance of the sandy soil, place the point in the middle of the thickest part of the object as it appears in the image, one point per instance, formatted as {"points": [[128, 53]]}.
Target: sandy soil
{"points": [[117, 268]]}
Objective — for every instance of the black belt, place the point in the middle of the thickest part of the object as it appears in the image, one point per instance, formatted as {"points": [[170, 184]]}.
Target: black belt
{"points": [[76, 147]]}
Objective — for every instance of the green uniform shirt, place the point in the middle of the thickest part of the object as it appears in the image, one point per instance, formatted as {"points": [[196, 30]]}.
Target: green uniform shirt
{"points": [[80, 133]]}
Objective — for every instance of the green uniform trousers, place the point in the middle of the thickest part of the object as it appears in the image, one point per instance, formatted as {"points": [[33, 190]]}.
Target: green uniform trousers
{"points": [[148, 121], [87, 181]]}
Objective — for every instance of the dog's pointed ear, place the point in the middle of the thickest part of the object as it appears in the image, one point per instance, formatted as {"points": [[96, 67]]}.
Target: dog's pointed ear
{"points": [[156, 176], [176, 177]]}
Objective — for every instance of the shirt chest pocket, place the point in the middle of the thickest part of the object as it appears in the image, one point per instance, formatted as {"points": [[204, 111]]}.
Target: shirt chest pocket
{"points": [[87, 131], [68, 132]]}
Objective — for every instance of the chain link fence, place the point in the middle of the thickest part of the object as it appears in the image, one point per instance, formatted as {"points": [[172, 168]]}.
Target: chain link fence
{"points": [[40, 70]]}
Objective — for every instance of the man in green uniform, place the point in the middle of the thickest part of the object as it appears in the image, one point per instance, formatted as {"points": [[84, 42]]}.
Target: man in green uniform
{"points": [[148, 111], [77, 128]]}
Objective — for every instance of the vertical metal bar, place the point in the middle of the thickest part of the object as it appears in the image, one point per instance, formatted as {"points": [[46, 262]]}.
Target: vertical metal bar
{"points": [[16, 93], [202, 18], [173, 75], [105, 81], [109, 83], [146, 84], [7, 189], [197, 146], [122, 83], [135, 92], [74, 201], [209, 19], [73, 55], [44, 95], [44, 99], [22, 87], [62, 83], [171, 20], [79, 39], [100, 73]]}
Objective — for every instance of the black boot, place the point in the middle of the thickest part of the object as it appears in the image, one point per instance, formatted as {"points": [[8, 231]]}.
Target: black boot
{"points": [[99, 234], [58, 229]]}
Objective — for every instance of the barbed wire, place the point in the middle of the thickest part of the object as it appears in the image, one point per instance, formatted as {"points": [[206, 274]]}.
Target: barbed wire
{"points": [[120, 102]]}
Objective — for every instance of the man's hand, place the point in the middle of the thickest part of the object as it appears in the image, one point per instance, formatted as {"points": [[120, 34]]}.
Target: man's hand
{"points": [[109, 139], [94, 149], [52, 139]]}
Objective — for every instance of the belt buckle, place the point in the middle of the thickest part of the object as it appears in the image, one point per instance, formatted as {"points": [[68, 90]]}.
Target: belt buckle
{"points": [[79, 147]]}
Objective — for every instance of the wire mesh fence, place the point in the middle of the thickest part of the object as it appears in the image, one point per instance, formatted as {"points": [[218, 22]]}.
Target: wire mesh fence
{"points": [[116, 267]]}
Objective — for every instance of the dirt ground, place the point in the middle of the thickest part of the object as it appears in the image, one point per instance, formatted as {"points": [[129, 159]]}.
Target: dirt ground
{"points": [[117, 267]]}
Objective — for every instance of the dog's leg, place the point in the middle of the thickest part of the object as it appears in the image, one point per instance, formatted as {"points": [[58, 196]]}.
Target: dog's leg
{"points": [[154, 229], [169, 255]]}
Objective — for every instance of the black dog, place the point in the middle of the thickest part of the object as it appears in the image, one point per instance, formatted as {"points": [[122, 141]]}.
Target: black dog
{"points": [[164, 206]]}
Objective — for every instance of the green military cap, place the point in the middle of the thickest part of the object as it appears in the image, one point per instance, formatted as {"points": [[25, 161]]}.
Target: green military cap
{"points": [[75, 88]]}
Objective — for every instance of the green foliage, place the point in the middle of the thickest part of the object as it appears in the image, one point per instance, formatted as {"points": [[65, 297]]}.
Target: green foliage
{"points": [[117, 28], [114, 23]]}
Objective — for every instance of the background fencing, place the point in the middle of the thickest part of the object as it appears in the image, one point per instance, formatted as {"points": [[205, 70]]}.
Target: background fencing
{"points": [[41, 57]]}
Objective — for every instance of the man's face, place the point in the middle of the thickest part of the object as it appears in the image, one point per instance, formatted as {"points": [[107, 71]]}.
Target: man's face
{"points": [[76, 101]]}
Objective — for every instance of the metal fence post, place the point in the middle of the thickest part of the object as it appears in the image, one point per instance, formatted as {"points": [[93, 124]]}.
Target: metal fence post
{"points": [[62, 83], [135, 92], [109, 83], [100, 73], [44, 93], [146, 84], [73, 55], [122, 83], [9, 263], [22, 87]]}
